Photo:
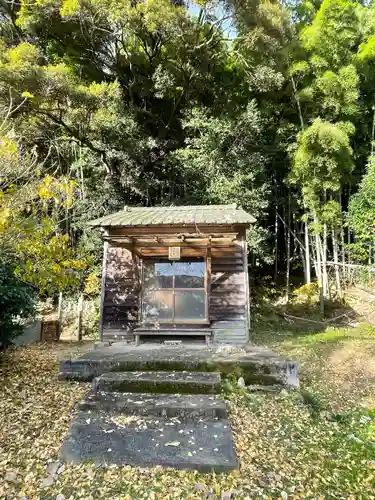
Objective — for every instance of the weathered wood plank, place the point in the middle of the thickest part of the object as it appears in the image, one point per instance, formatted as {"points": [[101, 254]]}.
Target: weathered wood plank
{"points": [[227, 305], [121, 289], [236, 288], [175, 229], [227, 269], [208, 282], [103, 283], [225, 279], [218, 310], [227, 302], [225, 316], [229, 261]]}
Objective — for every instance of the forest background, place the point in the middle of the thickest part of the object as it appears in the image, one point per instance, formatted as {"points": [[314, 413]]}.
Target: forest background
{"points": [[267, 104]]}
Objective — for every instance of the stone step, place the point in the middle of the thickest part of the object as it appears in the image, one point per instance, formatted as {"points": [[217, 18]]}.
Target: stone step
{"points": [[256, 366], [112, 438], [184, 406], [158, 382]]}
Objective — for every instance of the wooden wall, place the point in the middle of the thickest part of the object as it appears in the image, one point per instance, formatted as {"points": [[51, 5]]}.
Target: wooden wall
{"points": [[121, 284], [228, 306], [229, 295]]}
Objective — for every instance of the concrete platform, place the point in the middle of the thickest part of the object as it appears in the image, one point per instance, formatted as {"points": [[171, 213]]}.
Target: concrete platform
{"points": [[106, 437], [187, 406], [255, 364], [158, 382]]}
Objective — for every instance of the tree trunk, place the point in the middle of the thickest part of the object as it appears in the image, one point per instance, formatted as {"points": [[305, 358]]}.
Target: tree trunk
{"points": [[342, 231], [336, 260], [314, 258], [302, 253], [288, 251], [319, 251], [307, 255], [349, 273], [296, 97], [324, 255], [276, 243], [318, 266], [318, 254]]}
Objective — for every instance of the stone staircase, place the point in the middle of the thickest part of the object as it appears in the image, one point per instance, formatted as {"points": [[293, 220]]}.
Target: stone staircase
{"points": [[148, 418]]}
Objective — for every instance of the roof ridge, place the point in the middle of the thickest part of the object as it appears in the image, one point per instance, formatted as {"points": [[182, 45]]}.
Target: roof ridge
{"points": [[183, 207], [176, 215]]}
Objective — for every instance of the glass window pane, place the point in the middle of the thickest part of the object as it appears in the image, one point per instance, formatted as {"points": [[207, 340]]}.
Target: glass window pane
{"points": [[158, 275], [157, 305], [190, 305], [189, 274]]}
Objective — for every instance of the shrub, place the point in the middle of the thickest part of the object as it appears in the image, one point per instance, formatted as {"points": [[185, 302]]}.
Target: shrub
{"points": [[17, 301]]}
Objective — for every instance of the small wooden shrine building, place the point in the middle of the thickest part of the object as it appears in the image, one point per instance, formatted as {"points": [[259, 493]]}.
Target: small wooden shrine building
{"points": [[173, 271]]}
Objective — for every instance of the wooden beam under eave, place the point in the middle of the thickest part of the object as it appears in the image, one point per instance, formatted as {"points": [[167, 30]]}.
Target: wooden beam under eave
{"points": [[188, 242], [164, 251], [204, 229], [216, 252]]}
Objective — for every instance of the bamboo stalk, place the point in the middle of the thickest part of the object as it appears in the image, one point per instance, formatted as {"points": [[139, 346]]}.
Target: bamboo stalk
{"points": [[336, 258], [307, 254]]}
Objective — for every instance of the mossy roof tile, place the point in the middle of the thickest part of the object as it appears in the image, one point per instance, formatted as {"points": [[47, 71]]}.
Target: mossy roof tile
{"points": [[175, 215]]}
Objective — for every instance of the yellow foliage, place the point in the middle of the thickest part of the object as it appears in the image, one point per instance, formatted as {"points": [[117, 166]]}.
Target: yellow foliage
{"points": [[27, 94], [307, 292], [156, 13], [62, 191], [92, 286], [22, 54], [8, 150], [102, 89], [4, 218], [69, 8]]}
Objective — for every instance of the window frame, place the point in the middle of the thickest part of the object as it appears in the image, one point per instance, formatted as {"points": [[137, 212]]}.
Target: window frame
{"points": [[205, 288]]}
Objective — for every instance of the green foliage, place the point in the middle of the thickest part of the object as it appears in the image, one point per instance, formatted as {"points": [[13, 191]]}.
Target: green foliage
{"points": [[333, 32], [322, 159], [90, 320], [106, 103], [361, 213], [17, 300], [225, 160], [46, 259]]}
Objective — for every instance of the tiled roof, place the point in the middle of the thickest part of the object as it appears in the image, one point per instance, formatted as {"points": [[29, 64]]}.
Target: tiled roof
{"points": [[183, 215]]}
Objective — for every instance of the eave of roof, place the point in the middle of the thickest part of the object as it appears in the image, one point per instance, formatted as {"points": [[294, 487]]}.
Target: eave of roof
{"points": [[175, 215]]}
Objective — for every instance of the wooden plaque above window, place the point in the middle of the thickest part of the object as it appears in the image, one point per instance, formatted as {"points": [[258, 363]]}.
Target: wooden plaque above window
{"points": [[174, 253]]}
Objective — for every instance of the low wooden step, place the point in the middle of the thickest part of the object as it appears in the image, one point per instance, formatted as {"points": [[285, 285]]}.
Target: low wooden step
{"points": [[173, 332], [176, 331], [158, 382]]}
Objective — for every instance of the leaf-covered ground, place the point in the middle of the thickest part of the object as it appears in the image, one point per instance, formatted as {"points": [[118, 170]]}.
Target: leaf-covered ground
{"points": [[319, 442]]}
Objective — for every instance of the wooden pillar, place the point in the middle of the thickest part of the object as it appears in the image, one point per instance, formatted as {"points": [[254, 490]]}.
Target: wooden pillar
{"points": [[79, 317], [104, 272], [247, 287], [59, 314], [208, 288]]}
